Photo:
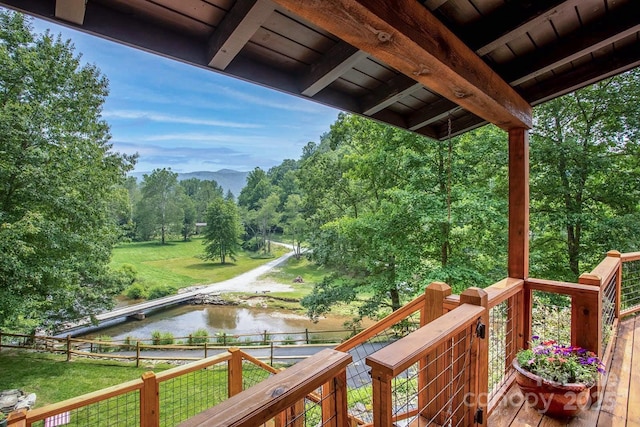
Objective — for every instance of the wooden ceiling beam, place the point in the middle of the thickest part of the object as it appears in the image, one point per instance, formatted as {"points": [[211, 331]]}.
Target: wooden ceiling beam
{"points": [[71, 10], [512, 21], [407, 37], [389, 93], [618, 62], [236, 29], [338, 60], [617, 25], [431, 114]]}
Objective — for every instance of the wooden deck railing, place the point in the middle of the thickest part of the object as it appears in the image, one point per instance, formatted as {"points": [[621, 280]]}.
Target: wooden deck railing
{"points": [[289, 398], [441, 372], [433, 372], [166, 398]]}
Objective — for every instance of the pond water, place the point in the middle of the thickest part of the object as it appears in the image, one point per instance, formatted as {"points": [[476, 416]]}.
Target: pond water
{"points": [[186, 319]]}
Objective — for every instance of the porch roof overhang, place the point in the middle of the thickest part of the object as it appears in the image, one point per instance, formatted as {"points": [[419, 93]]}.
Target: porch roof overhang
{"points": [[413, 64]]}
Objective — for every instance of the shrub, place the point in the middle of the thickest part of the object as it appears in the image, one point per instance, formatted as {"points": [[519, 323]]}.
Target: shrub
{"points": [[160, 291], [253, 245], [128, 271], [156, 336], [167, 338], [200, 336], [136, 291], [105, 348]]}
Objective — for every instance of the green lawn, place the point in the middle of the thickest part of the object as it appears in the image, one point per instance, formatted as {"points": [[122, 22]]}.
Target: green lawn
{"points": [[176, 263], [53, 379]]}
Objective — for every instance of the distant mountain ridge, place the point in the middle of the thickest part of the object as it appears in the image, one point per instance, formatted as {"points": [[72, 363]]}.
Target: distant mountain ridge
{"points": [[228, 179]]}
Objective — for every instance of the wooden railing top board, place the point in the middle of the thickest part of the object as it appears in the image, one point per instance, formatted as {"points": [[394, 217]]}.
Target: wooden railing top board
{"points": [[263, 401], [396, 357]]}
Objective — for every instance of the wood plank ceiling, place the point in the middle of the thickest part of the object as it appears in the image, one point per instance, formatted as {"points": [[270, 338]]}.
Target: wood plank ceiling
{"points": [[413, 64]]}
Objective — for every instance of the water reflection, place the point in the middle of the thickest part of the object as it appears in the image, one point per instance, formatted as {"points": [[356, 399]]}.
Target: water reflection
{"points": [[184, 320]]}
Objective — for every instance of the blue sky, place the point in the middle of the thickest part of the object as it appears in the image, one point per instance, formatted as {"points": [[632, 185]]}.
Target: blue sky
{"points": [[190, 119]]}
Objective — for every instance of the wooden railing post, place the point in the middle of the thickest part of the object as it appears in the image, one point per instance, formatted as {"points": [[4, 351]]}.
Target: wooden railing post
{"points": [[586, 315], [478, 395], [616, 254], [234, 376], [432, 375], [149, 401], [17, 418], [382, 397]]}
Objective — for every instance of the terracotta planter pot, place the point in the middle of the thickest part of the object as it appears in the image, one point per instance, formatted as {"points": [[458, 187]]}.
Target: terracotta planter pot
{"points": [[552, 398]]}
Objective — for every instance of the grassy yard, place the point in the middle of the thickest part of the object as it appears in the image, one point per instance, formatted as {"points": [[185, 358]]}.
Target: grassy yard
{"points": [[53, 379], [176, 263]]}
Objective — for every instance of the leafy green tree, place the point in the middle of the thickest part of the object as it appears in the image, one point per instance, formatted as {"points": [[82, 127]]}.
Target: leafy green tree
{"points": [[201, 192], [584, 177], [189, 217], [295, 225], [391, 211], [159, 208], [58, 175], [223, 230], [267, 217]]}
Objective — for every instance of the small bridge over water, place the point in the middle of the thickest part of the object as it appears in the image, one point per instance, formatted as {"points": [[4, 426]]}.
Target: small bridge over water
{"points": [[242, 283]]}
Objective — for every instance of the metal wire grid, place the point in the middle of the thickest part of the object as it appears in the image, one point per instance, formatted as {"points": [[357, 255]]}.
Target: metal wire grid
{"points": [[630, 288], [252, 374], [500, 339], [447, 390], [360, 394], [187, 395], [551, 316], [118, 411], [308, 413], [608, 310]]}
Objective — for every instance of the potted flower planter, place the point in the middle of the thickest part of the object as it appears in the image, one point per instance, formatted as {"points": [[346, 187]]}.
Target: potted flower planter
{"points": [[552, 398]]}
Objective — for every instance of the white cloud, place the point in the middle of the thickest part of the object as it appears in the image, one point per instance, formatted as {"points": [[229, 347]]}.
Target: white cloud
{"points": [[165, 118]]}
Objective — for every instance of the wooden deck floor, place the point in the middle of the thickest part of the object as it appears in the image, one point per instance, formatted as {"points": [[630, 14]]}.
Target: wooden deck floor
{"points": [[620, 404]]}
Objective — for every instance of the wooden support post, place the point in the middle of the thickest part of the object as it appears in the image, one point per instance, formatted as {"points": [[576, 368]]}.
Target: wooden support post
{"points": [[433, 375], [479, 369], [518, 262], [382, 398], [234, 375], [149, 401], [137, 354]]}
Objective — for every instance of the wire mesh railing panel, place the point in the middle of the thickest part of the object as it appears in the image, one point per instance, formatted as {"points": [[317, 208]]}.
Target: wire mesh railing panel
{"points": [[360, 394], [189, 394], [117, 411], [446, 383], [501, 344], [630, 285], [608, 310], [551, 316], [252, 374], [307, 412]]}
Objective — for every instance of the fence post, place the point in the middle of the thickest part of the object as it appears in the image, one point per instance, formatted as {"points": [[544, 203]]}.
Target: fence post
{"points": [[306, 334], [149, 401], [234, 376], [205, 349], [334, 402], [68, 348], [271, 358], [432, 376], [137, 354], [479, 363]]}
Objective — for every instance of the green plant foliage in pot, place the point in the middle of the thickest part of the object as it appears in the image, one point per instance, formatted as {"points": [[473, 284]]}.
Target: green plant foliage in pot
{"points": [[556, 379]]}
